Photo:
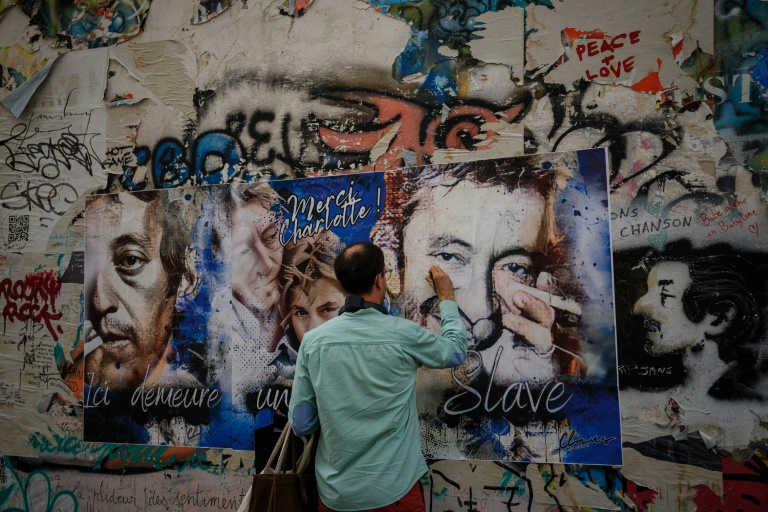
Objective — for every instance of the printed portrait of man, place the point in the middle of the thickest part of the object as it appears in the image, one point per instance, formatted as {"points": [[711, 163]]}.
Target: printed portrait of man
{"points": [[278, 293], [708, 309], [491, 226], [136, 268], [257, 256]]}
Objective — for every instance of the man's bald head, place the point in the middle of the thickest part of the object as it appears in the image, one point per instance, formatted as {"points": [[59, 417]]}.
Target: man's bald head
{"points": [[357, 266]]}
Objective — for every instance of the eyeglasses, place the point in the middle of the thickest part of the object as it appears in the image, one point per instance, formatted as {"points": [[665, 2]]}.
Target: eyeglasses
{"points": [[387, 273]]}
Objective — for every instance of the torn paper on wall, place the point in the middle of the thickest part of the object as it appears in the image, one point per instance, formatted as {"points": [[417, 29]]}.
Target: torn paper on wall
{"points": [[16, 67], [205, 10], [295, 8], [5, 4], [501, 39], [159, 66], [122, 130], [16, 100], [53, 152], [628, 44], [90, 24], [40, 347]]}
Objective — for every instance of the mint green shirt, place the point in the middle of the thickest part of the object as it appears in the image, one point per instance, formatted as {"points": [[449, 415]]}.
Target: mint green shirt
{"points": [[356, 380]]}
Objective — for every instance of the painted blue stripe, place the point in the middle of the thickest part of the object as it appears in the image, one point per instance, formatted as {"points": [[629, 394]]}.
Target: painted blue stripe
{"points": [[456, 359], [304, 419]]}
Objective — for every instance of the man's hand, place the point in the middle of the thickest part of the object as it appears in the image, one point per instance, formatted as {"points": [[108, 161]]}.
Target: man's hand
{"points": [[527, 315], [440, 282], [531, 318]]}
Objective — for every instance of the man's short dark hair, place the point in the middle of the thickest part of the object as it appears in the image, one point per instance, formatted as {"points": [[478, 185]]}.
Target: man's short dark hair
{"points": [[718, 283], [357, 266]]}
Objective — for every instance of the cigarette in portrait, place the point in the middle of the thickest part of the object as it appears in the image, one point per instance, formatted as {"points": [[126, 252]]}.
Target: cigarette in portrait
{"points": [[92, 339], [557, 302]]}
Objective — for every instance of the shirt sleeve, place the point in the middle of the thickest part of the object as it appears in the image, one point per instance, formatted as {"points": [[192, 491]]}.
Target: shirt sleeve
{"points": [[447, 350], [302, 409]]}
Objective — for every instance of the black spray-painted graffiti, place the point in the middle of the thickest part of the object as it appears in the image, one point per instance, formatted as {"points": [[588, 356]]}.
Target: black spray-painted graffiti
{"points": [[246, 150], [387, 132], [45, 162], [673, 305]]}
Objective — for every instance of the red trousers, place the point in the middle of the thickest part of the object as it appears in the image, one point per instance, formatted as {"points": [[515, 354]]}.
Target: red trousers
{"points": [[411, 502]]}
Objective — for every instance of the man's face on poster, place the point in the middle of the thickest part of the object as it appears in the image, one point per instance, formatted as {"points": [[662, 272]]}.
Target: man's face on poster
{"points": [[129, 304], [667, 327], [486, 239], [256, 251]]}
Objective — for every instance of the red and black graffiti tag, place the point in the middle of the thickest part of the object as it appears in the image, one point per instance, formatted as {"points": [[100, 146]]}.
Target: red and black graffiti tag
{"points": [[745, 487], [248, 143], [33, 299], [423, 131]]}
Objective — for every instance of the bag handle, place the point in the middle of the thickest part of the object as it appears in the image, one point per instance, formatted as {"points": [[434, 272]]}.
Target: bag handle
{"points": [[282, 442], [284, 451], [306, 455]]}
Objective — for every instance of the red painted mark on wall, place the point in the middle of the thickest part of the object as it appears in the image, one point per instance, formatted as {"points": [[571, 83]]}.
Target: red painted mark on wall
{"points": [[677, 49], [33, 298], [731, 218], [601, 48], [745, 487], [651, 83], [422, 131], [640, 496]]}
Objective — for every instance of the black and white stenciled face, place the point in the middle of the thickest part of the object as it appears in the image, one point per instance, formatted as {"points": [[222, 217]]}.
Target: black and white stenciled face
{"points": [[667, 328]]}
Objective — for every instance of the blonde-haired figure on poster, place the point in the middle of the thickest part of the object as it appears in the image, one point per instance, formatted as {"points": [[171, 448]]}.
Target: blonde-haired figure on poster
{"points": [[274, 287], [310, 294]]}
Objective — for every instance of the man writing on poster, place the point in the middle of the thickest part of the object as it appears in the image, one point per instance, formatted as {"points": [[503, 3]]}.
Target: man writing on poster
{"points": [[491, 226], [356, 381]]}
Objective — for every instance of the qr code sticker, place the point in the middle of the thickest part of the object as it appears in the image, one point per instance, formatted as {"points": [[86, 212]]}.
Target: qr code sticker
{"points": [[18, 228]]}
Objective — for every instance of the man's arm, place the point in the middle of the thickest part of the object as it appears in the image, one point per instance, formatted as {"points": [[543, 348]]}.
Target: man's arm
{"points": [[302, 410], [450, 348]]}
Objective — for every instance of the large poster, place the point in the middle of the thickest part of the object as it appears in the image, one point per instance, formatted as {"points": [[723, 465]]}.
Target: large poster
{"points": [[526, 242], [285, 237], [157, 281], [197, 301]]}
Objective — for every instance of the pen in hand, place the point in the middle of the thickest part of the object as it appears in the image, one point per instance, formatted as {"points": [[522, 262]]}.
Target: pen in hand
{"points": [[440, 282]]}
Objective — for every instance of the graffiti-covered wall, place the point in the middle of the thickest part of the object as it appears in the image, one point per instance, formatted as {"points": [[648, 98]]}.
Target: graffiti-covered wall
{"points": [[128, 127]]}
